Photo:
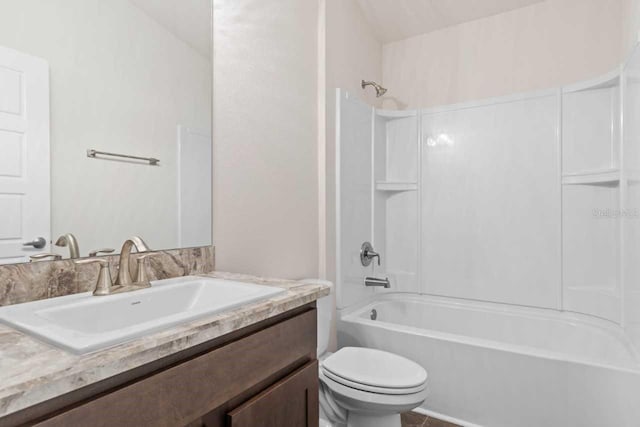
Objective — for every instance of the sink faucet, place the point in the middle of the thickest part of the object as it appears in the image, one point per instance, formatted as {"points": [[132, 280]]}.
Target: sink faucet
{"points": [[104, 284], [124, 274], [71, 241]]}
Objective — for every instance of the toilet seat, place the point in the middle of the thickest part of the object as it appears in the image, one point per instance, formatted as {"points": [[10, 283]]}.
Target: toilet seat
{"points": [[374, 371], [353, 399], [371, 389]]}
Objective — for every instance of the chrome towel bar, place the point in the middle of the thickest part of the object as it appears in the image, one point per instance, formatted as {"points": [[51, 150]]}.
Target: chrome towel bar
{"points": [[93, 153]]}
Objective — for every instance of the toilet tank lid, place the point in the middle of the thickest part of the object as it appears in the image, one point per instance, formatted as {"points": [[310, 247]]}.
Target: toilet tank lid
{"points": [[375, 368]]}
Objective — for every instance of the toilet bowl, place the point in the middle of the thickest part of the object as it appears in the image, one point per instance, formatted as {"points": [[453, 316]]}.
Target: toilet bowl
{"points": [[371, 387], [363, 387]]}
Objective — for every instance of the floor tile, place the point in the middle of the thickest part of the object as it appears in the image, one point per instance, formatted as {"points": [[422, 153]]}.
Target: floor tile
{"points": [[413, 419]]}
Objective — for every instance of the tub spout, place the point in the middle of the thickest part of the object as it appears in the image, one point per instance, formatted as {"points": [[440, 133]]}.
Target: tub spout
{"points": [[374, 281]]}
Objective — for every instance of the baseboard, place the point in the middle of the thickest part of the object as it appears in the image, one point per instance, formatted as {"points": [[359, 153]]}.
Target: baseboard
{"points": [[446, 418]]}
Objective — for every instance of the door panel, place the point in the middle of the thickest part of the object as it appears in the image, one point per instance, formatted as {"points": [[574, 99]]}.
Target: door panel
{"points": [[291, 402], [24, 155]]}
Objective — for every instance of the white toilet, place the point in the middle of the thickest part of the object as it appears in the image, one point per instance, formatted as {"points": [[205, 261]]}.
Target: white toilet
{"points": [[363, 387]]}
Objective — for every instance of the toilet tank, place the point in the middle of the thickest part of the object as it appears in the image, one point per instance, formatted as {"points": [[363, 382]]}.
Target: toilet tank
{"points": [[326, 310]]}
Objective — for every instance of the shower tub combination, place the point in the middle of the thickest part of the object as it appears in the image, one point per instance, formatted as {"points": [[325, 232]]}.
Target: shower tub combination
{"points": [[498, 365]]}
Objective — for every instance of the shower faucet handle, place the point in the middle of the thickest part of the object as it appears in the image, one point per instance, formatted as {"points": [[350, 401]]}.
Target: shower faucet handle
{"points": [[367, 254]]}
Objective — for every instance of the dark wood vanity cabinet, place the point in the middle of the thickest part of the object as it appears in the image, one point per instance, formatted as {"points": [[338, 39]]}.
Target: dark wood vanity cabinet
{"points": [[293, 401], [262, 376]]}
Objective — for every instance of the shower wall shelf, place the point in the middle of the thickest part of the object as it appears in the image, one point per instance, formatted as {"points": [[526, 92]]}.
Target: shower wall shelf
{"points": [[593, 181], [396, 186], [396, 114], [603, 176]]}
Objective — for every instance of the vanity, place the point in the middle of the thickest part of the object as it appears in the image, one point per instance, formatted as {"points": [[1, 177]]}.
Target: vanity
{"points": [[252, 365]]}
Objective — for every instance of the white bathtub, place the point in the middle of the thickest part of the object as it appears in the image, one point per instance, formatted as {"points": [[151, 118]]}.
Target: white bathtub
{"points": [[506, 366]]}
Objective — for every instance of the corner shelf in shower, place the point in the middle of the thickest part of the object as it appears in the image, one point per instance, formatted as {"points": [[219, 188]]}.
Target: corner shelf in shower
{"points": [[396, 114], [595, 177], [395, 186]]}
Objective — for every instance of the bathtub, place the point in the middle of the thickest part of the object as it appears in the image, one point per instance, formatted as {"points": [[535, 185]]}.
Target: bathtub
{"points": [[505, 366]]}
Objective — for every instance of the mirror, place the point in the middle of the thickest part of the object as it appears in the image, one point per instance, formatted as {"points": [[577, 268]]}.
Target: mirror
{"points": [[129, 79]]}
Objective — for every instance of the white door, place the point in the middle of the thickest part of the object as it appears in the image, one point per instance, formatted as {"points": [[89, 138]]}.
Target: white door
{"points": [[24, 156], [194, 187]]}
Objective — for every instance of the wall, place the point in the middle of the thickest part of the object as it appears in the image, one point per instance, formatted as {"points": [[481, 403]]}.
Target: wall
{"points": [[545, 45], [353, 54], [265, 137], [490, 194], [630, 24], [119, 82]]}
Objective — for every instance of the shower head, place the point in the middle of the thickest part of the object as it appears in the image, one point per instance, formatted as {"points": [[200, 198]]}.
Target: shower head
{"points": [[379, 89]]}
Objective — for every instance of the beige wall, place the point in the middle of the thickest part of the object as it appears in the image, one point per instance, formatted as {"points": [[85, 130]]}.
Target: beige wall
{"points": [[630, 24], [352, 54], [265, 194], [541, 46]]}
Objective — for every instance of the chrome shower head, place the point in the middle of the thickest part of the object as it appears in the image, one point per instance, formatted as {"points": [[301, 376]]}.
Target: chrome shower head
{"points": [[379, 89]]}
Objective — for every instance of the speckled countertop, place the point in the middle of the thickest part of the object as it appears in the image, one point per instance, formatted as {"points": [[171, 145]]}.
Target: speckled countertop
{"points": [[32, 372]]}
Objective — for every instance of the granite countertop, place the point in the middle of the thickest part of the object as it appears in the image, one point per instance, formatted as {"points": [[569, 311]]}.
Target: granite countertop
{"points": [[32, 371]]}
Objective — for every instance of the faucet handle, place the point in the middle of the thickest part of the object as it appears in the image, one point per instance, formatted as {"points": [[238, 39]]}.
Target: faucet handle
{"points": [[104, 283], [142, 279], [95, 252], [41, 257], [367, 254]]}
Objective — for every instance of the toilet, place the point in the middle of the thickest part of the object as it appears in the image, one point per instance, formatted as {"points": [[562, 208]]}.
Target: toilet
{"points": [[363, 387]]}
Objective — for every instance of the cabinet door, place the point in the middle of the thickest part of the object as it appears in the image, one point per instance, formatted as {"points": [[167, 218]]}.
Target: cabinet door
{"points": [[291, 402]]}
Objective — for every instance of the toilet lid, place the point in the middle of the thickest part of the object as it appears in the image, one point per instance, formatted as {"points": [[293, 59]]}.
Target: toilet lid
{"points": [[375, 368]]}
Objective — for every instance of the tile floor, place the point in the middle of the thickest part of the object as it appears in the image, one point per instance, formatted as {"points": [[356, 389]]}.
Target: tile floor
{"points": [[413, 419]]}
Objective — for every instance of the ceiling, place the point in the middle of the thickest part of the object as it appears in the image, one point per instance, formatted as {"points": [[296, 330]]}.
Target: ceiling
{"points": [[189, 20], [394, 20]]}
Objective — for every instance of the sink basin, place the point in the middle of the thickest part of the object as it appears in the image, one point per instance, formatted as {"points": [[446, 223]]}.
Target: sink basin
{"points": [[82, 323]]}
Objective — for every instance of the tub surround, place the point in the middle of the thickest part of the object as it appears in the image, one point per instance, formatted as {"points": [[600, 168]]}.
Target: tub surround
{"points": [[39, 280], [33, 372]]}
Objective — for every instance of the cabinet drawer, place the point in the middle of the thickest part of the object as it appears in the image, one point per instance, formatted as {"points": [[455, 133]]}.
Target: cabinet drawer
{"points": [[291, 402], [181, 394]]}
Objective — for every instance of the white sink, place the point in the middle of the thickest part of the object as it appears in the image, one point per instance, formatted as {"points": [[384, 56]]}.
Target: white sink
{"points": [[82, 323]]}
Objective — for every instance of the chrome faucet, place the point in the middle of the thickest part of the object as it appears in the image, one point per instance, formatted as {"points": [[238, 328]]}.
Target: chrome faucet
{"points": [[124, 274], [374, 281], [71, 241], [104, 284]]}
